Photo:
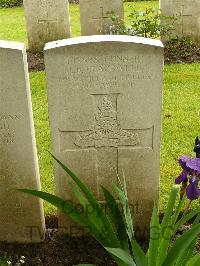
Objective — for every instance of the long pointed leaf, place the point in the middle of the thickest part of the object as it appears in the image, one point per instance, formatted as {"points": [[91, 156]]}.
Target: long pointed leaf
{"points": [[178, 210], [185, 219], [116, 218], [190, 250], [127, 212], [106, 225], [170, 206], [92, 216], [154, 238], [139, 255], [122, 255], [195, 261], [64, 206], [71, 210], [182, 243]]}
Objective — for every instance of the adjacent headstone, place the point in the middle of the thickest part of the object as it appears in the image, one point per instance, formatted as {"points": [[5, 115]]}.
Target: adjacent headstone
{"points": [[186, 14], [21, 215], [46, 20], [105, 103], [96, 15]]}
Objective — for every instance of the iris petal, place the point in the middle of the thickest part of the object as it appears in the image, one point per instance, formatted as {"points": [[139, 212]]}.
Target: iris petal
{"points": [[182, 177], [192, 190]]}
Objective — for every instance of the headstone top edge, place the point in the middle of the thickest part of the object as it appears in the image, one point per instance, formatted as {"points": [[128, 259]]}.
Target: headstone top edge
{"points": [[12, 45], [103, 38]]}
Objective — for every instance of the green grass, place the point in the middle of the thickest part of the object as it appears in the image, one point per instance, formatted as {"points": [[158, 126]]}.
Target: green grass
{"points": [[12, 20], [181, 110], [181, 123]]}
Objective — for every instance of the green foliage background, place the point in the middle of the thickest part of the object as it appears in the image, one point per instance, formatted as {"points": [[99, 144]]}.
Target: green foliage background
{"points": [[10, 3]]}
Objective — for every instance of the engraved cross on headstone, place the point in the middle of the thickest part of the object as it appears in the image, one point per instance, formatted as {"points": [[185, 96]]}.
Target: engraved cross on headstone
{"points": [[45, 17], [107, 136], [101, 18], [184, 16]]}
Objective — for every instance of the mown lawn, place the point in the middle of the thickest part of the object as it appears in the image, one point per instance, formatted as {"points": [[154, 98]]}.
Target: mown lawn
{"points": [[181, 105]]}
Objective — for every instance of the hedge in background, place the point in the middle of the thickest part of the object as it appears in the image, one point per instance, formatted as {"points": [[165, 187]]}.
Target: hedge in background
{"points": [[10, 3]]}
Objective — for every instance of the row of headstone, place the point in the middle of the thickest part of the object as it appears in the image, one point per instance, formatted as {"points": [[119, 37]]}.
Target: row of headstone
{"points": [[105, 102], [49, 20]]}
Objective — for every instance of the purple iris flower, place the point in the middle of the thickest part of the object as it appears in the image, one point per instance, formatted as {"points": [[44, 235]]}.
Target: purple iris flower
{"points": [[183, 176], [191, 171], [183, 160], [194, 165], [192, 190]]}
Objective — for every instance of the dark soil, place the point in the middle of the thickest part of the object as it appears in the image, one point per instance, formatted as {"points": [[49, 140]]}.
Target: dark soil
{"points": [[58, 250], [35, 61]]}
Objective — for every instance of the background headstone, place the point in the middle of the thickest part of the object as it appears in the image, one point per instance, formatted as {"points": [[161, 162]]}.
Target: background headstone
{"points": [[95, 15], [187, 13], [105, 102], [46, 20], [21, 215]]}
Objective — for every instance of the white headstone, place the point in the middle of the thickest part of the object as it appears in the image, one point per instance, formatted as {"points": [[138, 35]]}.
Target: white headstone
{"points": [[96, 15], [46, 20], [187, 14], [21, 215], [105, 103]]}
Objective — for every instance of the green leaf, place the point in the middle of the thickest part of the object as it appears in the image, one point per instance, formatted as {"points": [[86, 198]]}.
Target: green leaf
{"points": [[92, 216], [122, 255], [178, 210], [127, 213], [154, 238], [116, 218], [71, 210], [164, 243], [64, 206], [185, 219], [195, 261], [107, 229], [170, 206], [138, 253], [181, 244], [190, 250], [166, 226]]}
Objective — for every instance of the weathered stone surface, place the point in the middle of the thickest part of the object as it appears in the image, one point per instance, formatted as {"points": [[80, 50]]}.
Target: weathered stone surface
{"points": [[187, 13], [95, 15], [105, 101], [21, 215], [46, 20]]}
